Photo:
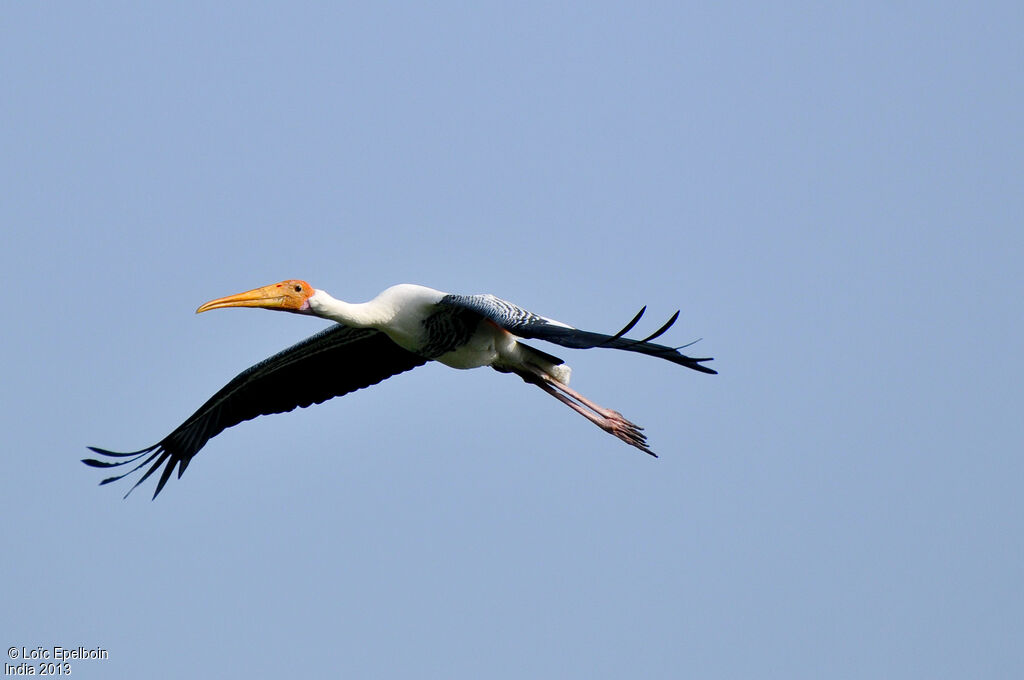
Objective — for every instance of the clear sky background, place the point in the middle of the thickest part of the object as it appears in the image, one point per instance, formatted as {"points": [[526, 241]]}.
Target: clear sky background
{"points": [[831, 193]]}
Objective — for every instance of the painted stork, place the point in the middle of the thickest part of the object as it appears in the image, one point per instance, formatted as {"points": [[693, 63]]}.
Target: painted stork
{"points": [[402, 328]]}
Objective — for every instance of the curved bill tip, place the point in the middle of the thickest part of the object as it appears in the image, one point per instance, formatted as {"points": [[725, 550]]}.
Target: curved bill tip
{"points": [[266, 297]]}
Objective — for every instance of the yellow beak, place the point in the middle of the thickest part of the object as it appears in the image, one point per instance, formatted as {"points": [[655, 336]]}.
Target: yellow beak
{"points": [[288, 296]]}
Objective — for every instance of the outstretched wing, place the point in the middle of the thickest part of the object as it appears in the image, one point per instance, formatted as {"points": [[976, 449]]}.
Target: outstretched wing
{"points": [[526, 324], [329, 364]]}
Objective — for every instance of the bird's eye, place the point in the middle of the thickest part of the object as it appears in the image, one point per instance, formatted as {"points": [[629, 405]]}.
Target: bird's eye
{"points": [[298, 289]]}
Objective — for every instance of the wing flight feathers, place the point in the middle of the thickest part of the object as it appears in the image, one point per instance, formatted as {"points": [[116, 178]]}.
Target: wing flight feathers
{"points": [[329, 364], [525, 324]]}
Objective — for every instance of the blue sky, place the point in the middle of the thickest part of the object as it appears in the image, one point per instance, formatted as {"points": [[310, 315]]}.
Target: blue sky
{"points": [[830, 194]]}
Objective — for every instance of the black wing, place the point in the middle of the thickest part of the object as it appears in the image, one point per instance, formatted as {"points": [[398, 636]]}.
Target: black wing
{"points": [[329, 364], [526, 324]]}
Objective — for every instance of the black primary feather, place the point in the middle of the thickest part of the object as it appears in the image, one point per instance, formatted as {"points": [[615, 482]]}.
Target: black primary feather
{"points": [[331, 363], [629, 326]]}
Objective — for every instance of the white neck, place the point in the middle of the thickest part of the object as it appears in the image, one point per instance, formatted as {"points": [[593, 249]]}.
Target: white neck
{"points": [[362, 315]]}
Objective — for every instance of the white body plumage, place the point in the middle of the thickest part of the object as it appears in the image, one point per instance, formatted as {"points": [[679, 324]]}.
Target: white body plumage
{"points": [[399, 312]]}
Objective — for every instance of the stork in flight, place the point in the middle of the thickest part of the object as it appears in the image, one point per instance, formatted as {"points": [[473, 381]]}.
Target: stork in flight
{"points": [[402, 328]]}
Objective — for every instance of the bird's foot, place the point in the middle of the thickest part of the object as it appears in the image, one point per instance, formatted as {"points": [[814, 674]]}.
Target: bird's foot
{"points": [[616, 424]]}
